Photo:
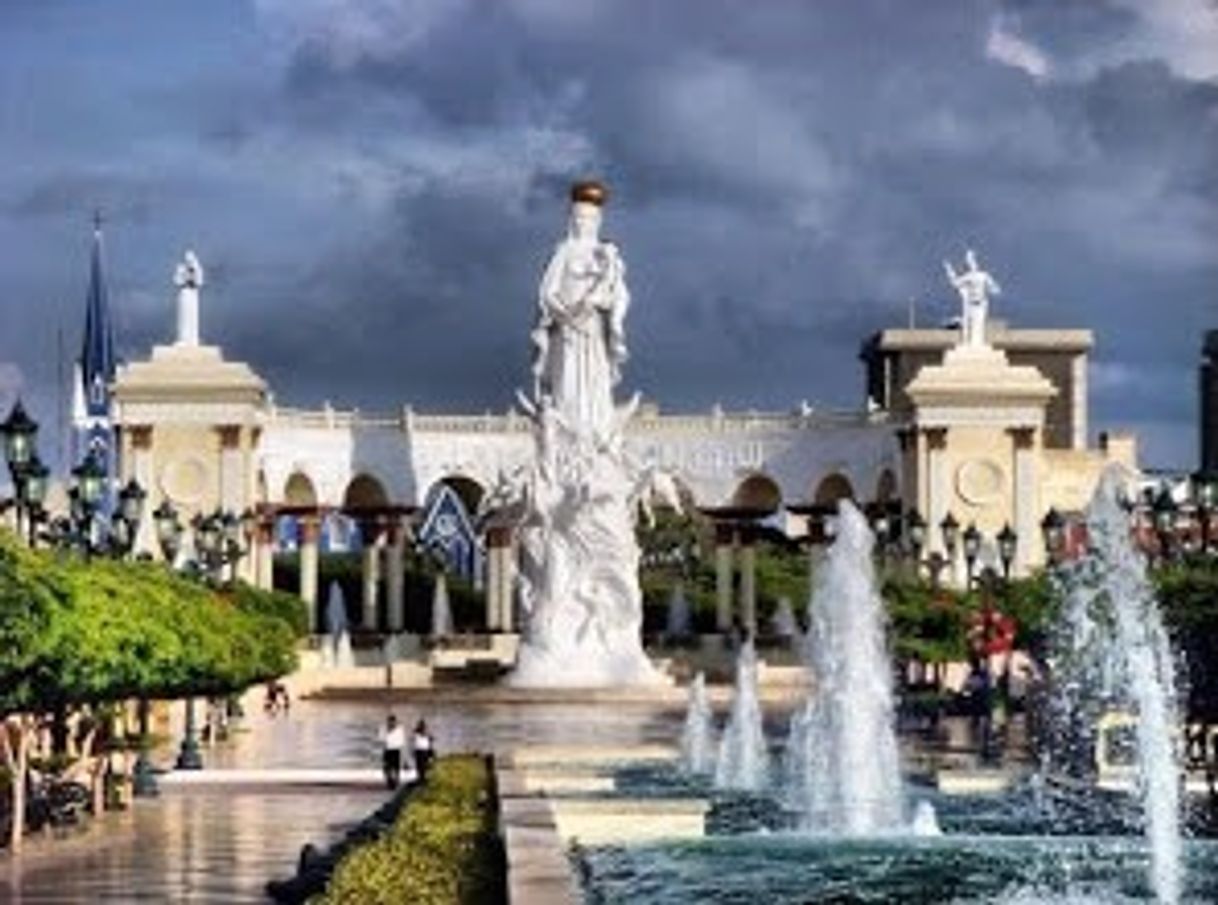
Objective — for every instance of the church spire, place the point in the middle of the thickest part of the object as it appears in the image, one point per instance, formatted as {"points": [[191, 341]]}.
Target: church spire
{"points": [[97, 350]]}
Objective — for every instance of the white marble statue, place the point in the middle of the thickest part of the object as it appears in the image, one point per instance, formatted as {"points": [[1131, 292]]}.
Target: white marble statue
{"points": [[188, 277], [975, 287], [579, 340], [579, 558]]}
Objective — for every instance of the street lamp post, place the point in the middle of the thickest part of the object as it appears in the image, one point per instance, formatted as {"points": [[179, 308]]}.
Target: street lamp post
{"points": [[1008, 542], [972, 549], [1164, 514], [1207, 507], [217, 542], [915, 541], [951, 535], [29, 475], [1053, 530]]}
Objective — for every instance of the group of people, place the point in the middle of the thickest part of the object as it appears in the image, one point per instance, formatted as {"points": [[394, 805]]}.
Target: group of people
{"points": [[393, 749], [277, 698]]}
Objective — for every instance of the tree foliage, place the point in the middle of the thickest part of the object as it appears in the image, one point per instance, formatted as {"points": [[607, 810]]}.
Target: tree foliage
{"points": [[75, 632], [1188, 597]]}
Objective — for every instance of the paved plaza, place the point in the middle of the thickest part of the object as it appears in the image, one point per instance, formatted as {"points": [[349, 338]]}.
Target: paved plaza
{"points": [[223, 845]]}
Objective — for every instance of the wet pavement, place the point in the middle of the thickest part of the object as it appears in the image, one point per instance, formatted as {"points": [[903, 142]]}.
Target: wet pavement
{"points": [[217, 845]]}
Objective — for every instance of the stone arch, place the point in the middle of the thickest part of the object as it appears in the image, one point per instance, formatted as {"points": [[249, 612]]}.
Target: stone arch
{"points": [[832, 488], [469, 490], [299, 490], [364, 492], [757, 491], [886, 486]]}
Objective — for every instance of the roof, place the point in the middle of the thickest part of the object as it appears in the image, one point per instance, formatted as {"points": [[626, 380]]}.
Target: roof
{"points": [[97, 362]]}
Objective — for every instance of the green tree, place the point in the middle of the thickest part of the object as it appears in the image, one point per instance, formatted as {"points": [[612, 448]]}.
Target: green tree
{"points": [[78, 635]]}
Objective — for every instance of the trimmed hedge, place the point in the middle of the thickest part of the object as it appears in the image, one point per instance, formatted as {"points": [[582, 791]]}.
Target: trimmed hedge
{"points": [[444, 848]]}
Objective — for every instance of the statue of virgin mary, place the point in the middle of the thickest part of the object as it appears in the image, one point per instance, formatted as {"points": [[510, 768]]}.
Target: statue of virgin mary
{"points": [[579, 340]]}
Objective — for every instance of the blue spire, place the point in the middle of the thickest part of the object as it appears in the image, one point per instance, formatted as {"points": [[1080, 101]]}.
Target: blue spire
{"points": [[97, 351]]}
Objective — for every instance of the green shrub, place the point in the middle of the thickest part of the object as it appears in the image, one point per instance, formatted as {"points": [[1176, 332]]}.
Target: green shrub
{"points": [[442, 850]]}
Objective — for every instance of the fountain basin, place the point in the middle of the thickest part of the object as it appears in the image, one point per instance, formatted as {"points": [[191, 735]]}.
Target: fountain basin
{"points": [[629, 820]]}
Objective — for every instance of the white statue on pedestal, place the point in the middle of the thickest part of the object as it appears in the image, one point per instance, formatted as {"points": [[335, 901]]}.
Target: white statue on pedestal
{"points": [[579, 342], [577, 503], [188, 277], [975, 286]]}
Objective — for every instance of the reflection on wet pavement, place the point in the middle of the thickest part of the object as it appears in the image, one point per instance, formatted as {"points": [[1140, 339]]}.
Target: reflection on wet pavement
{"points": [[222, 846]]}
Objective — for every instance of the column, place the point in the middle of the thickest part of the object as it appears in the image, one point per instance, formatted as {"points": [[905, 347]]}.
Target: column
{"points": [[907, 442], [922, 474], [140, 437], [938, 502], [1026, 500], [310, 530], [264, 551], [1078, 401], [934, 441], [373, 537], [232, 485], [395, 575], [748, 581], [498, 593], [507, 579], [724, 541]]}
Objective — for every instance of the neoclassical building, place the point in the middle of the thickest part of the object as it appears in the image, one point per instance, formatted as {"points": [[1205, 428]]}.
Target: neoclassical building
{"points": [[994, 434]]}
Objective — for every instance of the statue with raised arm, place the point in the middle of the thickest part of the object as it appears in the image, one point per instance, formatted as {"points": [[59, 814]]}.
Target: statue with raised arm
{"points": [[975, 287], [579, 343], [188, 277]]}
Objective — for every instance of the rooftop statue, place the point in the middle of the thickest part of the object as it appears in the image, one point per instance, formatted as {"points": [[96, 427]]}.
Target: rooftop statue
{"points": [[188, 277], [975, 287]]}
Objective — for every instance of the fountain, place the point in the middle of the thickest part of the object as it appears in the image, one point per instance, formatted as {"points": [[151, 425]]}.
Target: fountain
{"points": [[336, 650], [1110, 652], [678, 623], [697, 738], [843, 770], [441, 609], [783, 624], [743, 762]]}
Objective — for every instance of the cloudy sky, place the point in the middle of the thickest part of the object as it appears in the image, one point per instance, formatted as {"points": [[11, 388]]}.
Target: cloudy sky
{"points": [[374, 185]]}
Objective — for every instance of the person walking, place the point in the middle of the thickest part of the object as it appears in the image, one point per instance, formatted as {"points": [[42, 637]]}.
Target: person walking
{"points": [[424, 749], [393, 742]]}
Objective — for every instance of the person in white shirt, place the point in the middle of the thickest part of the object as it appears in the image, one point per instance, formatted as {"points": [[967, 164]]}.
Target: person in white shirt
{"points": [[393, 741], [424, 749]]}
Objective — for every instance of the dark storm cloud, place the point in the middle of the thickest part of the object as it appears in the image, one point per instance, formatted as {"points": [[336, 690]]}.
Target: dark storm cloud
{"points": [[375, 188]]}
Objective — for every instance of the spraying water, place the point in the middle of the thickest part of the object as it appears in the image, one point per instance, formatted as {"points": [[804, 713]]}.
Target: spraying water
{"points": [[441, 610], [1111, 653], [743, 759], [843, 770], [337, 652], [783, 623], [697, 738]]}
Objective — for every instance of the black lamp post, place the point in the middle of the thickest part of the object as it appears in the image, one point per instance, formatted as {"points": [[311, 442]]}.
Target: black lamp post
{"points": [[1207, 505], [90, 478], [915, 533], [168, 531], [1053, 529], [1008, 541], [20, 431], [29, 475], [31, 487], [1164, 514], [972, 548], [951, 535], [217, 541]]}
